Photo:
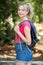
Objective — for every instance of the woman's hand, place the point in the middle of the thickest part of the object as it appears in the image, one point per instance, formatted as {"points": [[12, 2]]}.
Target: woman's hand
{"points": [[16, 28]]}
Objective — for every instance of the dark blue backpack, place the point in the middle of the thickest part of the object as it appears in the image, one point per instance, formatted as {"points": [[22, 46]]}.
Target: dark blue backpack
{"points": [[33, 34]]}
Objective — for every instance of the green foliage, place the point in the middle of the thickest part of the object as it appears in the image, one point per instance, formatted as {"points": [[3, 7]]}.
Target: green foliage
{"points": [[5, 9], [14, 9], [30, 1], [6, 33], [38, 9]]}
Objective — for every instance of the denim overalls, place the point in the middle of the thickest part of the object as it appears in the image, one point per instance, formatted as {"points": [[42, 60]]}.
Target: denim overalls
{"points": [[23, 53]]}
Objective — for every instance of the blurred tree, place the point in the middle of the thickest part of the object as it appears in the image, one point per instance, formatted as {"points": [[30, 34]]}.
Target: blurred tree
{"points": [[38, 6], [5, 9], [5, 27]]}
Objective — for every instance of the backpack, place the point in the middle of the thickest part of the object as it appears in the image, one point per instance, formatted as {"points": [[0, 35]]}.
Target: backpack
{"points": [[33, 34]]}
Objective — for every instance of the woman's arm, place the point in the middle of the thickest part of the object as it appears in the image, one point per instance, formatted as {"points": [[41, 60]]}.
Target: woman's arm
{"points": [[27, 32]]}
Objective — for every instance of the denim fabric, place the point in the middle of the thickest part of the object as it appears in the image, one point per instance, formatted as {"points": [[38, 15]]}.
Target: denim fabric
{"points": [[23, 53]]}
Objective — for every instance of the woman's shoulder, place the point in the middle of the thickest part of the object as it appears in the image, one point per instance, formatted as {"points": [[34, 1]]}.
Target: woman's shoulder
{"points": [[26, 23]]}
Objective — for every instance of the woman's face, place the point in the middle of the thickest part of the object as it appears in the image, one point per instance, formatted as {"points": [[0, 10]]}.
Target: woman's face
{"points": [[22, 11]]}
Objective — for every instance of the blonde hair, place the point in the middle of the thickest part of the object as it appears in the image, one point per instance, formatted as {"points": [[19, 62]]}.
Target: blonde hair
{"points": [[29, 9]]}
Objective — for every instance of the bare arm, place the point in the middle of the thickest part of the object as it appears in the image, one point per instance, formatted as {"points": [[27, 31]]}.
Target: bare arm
{"points": [[25, 39], [27, 34]]}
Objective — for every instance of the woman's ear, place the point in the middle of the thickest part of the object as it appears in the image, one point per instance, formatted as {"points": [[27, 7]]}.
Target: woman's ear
{"points": [[28, 12]]}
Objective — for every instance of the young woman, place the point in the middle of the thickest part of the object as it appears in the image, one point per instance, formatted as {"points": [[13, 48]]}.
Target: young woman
{"points": [[23, 36]]}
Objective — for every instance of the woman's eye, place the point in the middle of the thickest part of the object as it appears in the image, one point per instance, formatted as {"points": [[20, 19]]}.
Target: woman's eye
{"points": [[20, 9]]}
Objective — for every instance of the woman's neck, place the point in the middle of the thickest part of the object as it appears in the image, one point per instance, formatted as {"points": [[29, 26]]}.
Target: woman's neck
{"points": [[25, 18]]}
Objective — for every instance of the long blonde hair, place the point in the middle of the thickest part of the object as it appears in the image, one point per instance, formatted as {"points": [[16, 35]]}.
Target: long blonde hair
{"points": [[29, 9]]}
